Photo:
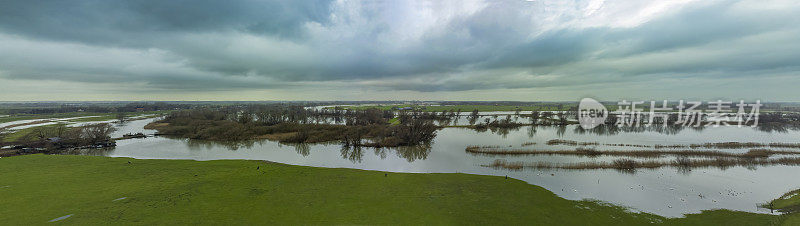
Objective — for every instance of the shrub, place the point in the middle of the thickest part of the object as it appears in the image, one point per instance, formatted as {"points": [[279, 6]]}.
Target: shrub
{"points": [[624, 164]]}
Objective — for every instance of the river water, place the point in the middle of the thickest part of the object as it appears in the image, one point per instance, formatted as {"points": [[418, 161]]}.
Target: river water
{"points": [[665, 191]]}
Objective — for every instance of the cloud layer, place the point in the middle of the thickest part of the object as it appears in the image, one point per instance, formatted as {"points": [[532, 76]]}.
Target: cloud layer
{"points": [[410, 49]]}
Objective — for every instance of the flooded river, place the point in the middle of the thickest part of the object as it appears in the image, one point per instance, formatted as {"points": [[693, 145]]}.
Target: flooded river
{"points": [[664, 191]]}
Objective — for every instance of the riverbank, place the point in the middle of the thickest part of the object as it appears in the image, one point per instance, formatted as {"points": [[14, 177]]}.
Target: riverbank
{"points": [[100, 190]]}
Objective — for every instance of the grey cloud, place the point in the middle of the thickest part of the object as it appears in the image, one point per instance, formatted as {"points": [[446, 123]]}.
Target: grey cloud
{"points": [[139, 23], [267, 44]]}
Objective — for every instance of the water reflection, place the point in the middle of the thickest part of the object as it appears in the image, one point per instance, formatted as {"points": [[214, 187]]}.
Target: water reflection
{"points": [[193, 144], [381, 152], [502, 131], [561, 130], [354, 154], [671, 129], [777, 127], [412, 153], [532, 131], [409, 153], [302, 149], [606, 129]]}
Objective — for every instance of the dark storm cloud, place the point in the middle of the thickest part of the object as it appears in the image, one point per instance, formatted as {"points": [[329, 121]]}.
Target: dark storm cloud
{"points": [[396, 45], [138, 23]]}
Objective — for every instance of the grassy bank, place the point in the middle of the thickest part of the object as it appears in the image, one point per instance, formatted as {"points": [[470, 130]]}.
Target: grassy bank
{"points": [[40, 188]]}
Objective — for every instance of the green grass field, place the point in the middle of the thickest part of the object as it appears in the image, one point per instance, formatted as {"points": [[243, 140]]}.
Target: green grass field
{"points": [[789, 199], [788, 202], [99, 190]]}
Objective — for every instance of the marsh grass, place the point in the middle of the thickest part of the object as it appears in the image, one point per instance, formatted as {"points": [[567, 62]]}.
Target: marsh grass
{"points": [[630, 164], [629, 145], [625, 164], [591, 152], [569, 142], [731, 145], [619, 164], [718, 145]]}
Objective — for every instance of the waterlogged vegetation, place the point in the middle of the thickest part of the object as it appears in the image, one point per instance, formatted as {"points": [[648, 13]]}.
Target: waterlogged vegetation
{"points": [[62, 128], [370, 127], [549, 151], [717, 145], [18, 117], [86, 111], [698, 156], [58, 138], [134, 191], [591, 152], [510, 106], [20, 121], [630, 165], [295, 124], [466, 107]]}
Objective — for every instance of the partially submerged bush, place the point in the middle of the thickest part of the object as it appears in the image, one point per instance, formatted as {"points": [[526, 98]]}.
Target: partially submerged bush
{"points": [[298, 125], [625, 164], [591, 152]]}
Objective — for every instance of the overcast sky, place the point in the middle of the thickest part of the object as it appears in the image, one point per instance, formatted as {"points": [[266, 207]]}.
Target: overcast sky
{"points": [[399, 50]]}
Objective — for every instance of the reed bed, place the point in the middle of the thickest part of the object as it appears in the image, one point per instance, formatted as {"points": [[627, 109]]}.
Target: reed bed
{"points": [[630, 164], [719, 145], [738, 145], [570, 142], [591, 152], [629, 145], [662, 146]]}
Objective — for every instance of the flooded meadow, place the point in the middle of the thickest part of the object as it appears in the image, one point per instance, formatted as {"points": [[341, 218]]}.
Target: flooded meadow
{"points": [[668, 191]]}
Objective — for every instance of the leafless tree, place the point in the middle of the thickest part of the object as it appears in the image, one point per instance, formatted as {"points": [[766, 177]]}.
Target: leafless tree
{"points": [[96, 132], [535, 115], [121, 117]]}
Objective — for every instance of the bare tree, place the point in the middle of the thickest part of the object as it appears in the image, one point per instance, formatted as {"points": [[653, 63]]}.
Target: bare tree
{"points": [[562, 118], [122, 117], [535, 115], [474, 113], [96, 132]]}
